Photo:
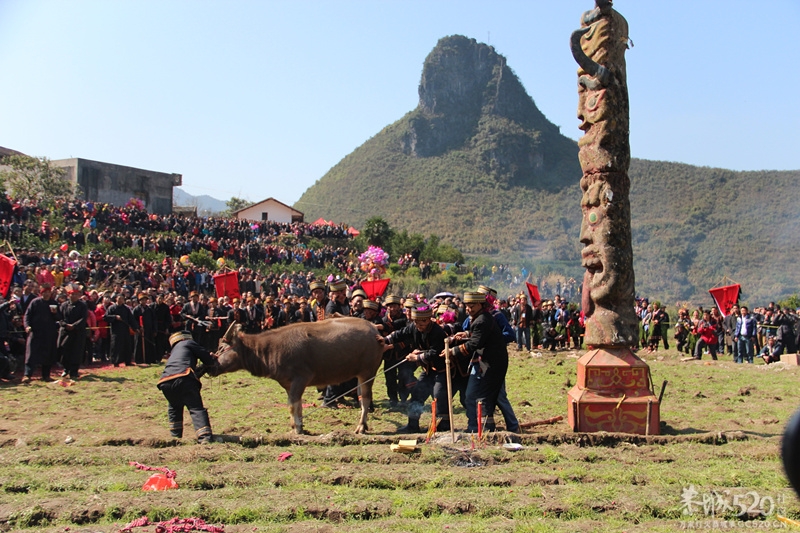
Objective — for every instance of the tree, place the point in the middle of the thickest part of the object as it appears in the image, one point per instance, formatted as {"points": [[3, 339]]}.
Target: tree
{"points": [[378, 233], [35, 178], [235, 204]]}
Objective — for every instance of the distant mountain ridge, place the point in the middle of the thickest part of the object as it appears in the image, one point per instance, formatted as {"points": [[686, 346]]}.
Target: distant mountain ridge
{"points": [[478, 164], [204, 203]]}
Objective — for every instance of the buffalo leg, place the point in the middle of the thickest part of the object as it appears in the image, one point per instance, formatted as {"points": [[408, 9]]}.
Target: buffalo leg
{"points": [[295, 393], [366, 401]]}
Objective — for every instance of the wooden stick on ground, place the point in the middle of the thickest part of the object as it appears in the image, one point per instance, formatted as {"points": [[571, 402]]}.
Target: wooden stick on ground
{"points": [[542, 422]]}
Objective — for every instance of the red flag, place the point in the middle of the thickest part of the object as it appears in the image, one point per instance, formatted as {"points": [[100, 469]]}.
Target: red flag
{"points": [[6, 274], [227, 284], [533, 294], [725, 297], [375, 288]]}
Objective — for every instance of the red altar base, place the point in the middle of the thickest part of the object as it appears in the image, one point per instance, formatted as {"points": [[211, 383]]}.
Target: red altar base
{"points": [[613, 393]]}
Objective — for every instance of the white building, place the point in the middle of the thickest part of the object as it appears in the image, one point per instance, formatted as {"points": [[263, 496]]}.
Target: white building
{"points": [[269, 209]]}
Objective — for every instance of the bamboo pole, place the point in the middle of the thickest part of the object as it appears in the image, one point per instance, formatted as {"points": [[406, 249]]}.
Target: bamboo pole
{"points": [[12, 251], [449, 388]]}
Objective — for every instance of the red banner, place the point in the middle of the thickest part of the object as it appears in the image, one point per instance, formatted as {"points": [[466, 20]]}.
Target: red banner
{"points": [[6, 274], [375, 288], [725, 297], [227, 284], [533, 294]]}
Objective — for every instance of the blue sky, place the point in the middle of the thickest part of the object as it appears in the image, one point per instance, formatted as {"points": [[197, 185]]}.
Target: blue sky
{"points": [[260, 98]]}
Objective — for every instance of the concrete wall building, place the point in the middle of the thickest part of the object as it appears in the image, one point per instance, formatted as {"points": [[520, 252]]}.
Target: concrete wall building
{"points": [[117, 184], [270, 209]]}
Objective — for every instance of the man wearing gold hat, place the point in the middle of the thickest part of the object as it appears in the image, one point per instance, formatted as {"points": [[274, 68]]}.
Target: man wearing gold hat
{"points": [[426, 340], [485, 348], [181, 386], [338, 305], [399, 380], [357, 299], [319, 300], [338, 302]]}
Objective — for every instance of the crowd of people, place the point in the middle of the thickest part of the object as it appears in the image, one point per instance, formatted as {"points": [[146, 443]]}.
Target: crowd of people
{"points": [[767, 332], [77, 306]]}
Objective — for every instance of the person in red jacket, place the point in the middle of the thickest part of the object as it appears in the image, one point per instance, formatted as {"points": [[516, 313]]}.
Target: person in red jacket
{"points": [[707, 330], [103, 340]]}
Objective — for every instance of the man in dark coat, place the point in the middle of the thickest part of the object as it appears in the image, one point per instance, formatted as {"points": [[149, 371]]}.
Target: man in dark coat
{"points": [[303, 314], [41, 324], [194, 311], [181, 386], [337, 304], [255, 316], [120, 318], [400, 379], [144, 343], [72, 335], [485, 348], [426, 340], [28, 295]]}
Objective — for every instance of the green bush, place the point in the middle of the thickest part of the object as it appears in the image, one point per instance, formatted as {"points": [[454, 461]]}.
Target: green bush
{"points": [[203, 258], [449, 278]]}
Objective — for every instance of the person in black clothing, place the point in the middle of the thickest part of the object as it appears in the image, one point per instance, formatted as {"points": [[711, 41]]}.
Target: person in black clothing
{"points": [[193, 311], [371, 313], [144, 347], [338, 304], [72, 336], [41, 325], [181, 386], [255, 316], [303, 314], [400, 379], [28, 295], [237, 315], [485, 348], [7, 359], [426, 339], [120, 318], [216, 318]]}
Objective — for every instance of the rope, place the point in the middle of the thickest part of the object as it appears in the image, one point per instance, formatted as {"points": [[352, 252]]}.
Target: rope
{"points": [[171, 474], [333, 401]]}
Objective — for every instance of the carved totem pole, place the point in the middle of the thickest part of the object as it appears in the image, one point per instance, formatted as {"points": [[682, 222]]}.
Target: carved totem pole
{"points": [[613, 390]]}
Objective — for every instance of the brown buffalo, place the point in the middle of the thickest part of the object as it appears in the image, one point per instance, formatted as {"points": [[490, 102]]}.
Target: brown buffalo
{"points": [[307, 354]]}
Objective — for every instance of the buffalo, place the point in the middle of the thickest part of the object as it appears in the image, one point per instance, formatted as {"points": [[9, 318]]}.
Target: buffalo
{"points": [[306, 354]]}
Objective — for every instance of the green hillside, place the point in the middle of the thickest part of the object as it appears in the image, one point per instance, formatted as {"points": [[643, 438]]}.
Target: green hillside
{"points": [[479, 165]]}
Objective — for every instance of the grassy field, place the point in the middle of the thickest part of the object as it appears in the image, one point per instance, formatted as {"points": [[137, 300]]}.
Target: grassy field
{"points": [[64, 454]]}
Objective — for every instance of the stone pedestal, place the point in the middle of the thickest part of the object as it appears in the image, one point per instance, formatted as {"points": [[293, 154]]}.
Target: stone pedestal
{"points": [[791, 359], [613, 393]]}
